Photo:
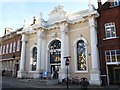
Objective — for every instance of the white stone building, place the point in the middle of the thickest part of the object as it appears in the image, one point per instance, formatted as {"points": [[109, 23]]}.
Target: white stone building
{"points": [[45, 43]]}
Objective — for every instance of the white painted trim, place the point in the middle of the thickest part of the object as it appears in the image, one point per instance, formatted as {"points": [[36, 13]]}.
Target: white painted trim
{"points": [[75, 54], [80, 38], [108, 81], [110, 38], [51, 41], [31, 58], [56, 64], [112, 63], [47, 62], [32, 71]]}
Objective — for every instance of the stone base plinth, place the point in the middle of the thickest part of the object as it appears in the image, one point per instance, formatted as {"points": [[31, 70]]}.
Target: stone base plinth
{"points": [[95, 78], [37, 74], [63, 74], [22, 74]]}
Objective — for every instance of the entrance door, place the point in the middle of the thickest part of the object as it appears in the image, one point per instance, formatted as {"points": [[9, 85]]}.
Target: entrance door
{"points": [[16, 69], [114, 74], [54, 70], [117, 75]]}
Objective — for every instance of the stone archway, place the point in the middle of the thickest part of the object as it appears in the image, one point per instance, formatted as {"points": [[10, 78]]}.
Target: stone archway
{"points": [[55, 57]]}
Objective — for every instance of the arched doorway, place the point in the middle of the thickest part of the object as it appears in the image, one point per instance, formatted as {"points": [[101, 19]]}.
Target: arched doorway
{"points": [[34, 59], [55, 57]]}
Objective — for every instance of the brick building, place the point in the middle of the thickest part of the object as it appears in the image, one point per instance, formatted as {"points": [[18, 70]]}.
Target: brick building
{"points": [[109, 41], [10, 51]]}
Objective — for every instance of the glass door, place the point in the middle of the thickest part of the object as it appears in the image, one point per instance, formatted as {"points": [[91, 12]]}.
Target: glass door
{"points": [[54, 70]]}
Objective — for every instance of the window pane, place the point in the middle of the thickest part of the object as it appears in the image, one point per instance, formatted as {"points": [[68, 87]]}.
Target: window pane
{"points": [[34, 62], [55, 51], [113, 59], [18, 45], [107, 53], [0, 49], [81, 55], [108, 34], [108, 58], [7, 48], [118, 58], [112, 52], [117, 51]]}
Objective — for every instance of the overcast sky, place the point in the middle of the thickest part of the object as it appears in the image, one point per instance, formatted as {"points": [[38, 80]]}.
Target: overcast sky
{"points": [[13, 13]]}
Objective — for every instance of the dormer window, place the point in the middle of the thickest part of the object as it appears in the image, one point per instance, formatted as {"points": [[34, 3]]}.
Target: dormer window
{"points": [[117, 3]]}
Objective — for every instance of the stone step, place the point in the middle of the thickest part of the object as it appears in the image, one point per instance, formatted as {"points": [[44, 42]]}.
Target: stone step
{"points": [[41, 81]]}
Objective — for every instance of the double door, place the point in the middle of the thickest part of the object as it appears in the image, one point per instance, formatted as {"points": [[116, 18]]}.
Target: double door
{"points": [[114, 75], [55, 70]]}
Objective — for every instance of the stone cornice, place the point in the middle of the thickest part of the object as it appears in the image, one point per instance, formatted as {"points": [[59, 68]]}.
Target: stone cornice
{"points": [[53, 27], [70, 19]]}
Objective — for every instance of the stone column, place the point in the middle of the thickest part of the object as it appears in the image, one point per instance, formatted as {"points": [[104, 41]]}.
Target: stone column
{"points": [[64, 51], [39, 53], [22, 72], [95, 72]]}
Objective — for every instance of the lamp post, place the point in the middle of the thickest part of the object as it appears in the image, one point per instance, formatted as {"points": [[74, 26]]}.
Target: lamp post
{"points": [[67, 64]]}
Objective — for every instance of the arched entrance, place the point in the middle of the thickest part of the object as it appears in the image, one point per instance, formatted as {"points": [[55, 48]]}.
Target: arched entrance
{"points": [[55, 57]]}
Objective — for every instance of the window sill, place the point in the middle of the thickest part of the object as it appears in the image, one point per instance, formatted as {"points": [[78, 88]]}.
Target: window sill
{"points": [[32, 71], [110, 38], [113, 63], [81, 71]]}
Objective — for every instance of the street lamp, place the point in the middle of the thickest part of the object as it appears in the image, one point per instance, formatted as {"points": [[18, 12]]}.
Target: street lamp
{"points": [[67, 64]]}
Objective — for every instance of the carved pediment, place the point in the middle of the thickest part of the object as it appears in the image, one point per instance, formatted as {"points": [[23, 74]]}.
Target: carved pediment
{"points": [[57, 14]]}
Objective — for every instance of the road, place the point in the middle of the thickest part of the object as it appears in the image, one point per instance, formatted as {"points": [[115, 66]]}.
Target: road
{"points": [[9, 82]]}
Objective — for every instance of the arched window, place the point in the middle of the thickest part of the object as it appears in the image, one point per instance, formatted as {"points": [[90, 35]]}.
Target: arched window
{"points": [[55, 51], [34, 56], [81, 56]]}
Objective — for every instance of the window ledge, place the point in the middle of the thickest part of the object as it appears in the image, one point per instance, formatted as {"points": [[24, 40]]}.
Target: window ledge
{"points": [[81, 71], [113, 63], [110, 38], [32, 71]]}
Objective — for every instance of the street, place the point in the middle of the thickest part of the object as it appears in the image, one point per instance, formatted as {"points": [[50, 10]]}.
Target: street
{"points": [[10, 83]]}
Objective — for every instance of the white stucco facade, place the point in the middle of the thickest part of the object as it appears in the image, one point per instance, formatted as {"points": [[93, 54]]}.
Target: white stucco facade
{"points": [[68, 30]]}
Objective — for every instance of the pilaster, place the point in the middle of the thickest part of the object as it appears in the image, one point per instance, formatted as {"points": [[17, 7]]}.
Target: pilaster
{"points": [[22, 73], [95, 72], [40, 36], [64, 49]]}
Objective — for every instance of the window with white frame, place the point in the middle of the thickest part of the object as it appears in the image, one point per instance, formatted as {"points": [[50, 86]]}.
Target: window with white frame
{"points": [[116, 2], [14, 46], [110, 30], [81, 56], [7, 48], [18, 45], [4, 49], [112, 55], [0, 49], [11, 47]]}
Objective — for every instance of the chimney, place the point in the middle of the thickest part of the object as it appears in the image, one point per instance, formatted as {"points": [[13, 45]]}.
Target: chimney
{"points": [[8, 30], [99, 3], [35, 20]]}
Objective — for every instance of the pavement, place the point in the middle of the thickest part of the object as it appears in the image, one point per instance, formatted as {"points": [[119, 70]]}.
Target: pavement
{"points": [[10, 83]]}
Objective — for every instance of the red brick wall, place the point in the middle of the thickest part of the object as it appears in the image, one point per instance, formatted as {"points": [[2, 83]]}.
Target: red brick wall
{"points": [[8, 41], [106, 16]]}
